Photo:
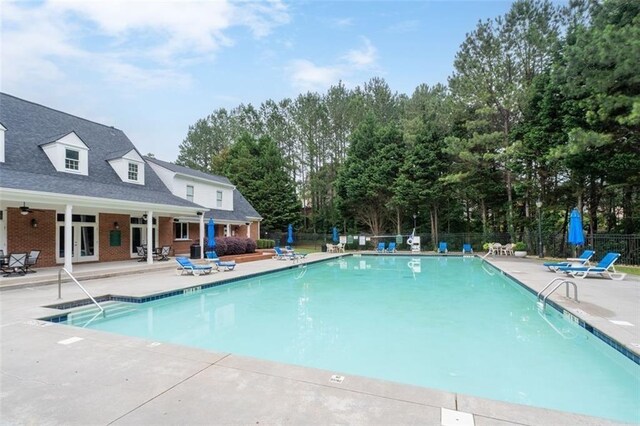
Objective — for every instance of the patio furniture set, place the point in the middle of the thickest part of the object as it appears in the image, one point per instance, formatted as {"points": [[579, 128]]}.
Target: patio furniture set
{"points": [[18, 263], [159, 253]]}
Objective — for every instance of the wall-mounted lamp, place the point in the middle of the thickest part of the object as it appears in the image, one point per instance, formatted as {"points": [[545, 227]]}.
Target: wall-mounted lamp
{"points": [[34, 223], [199, 213], [144, 216], [116, 226], [176, 220], [247, 224]]}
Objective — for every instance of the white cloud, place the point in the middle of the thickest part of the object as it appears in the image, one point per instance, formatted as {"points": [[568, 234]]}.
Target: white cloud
{"points": [[308, 76], [362, 58], [152, 40], [305, 75]]}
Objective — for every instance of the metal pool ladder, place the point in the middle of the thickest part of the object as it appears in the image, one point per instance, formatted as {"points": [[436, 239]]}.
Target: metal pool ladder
{"points": [[542, 297], [78, 284]]}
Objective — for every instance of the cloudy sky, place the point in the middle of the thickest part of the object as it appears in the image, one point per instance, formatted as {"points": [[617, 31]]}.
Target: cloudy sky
{"points": [[152, 68]]}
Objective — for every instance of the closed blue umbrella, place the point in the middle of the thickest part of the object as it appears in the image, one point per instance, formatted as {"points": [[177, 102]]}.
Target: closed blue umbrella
{"points": [[335, 235], [576, 235], [290, 236], [211, 234]]}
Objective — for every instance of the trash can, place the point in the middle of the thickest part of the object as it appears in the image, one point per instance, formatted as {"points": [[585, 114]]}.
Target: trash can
{"points": [[195, 251], [323, 248]]}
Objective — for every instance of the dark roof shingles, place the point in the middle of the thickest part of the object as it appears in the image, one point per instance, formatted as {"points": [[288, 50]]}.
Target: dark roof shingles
{"points": [[27, 166]]}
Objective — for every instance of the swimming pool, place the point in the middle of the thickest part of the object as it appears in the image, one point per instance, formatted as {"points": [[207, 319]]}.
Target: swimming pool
{"points": [[450, 323]]}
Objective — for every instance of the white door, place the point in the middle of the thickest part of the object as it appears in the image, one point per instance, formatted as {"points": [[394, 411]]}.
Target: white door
{"points": [[84, 238]]}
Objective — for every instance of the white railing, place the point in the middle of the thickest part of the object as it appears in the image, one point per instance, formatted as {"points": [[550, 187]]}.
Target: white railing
{"points": [[78, 284], [542, 300]]}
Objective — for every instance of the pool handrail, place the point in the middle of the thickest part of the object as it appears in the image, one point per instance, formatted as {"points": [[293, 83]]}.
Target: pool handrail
{"points": [[563, 280], [78, 284]]}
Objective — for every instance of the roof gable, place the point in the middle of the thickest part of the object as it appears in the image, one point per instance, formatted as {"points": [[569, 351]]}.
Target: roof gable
{"points": [[30, 125], [186, 171]]}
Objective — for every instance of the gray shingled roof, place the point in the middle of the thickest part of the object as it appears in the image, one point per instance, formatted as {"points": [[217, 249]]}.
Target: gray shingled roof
{"points": [[242, 209], [27, 167], [189, 172]]}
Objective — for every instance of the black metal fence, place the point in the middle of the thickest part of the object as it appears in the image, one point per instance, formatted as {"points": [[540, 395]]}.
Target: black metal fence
{"points": [[628, 245]]}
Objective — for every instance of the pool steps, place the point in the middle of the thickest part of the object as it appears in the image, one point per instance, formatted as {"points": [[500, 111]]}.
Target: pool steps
{"points": [[86, 315]]}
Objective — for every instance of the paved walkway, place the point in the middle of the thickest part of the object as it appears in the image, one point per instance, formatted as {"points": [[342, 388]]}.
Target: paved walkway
{"points": [[55, 374]]}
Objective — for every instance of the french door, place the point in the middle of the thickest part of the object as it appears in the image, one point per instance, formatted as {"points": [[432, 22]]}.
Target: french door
{"points": [[139, 237], [84, 247]]}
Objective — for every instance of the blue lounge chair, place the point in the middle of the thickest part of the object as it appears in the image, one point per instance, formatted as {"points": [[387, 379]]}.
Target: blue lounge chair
{"points": [[582, 260], [380, 248], [280, 255], [212, 256], [391, 248], [190, 268], [466, 248], [442, 247], [603, 268]]}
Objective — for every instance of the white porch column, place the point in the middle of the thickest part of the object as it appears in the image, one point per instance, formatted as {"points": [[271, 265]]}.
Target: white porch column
{"points": [[228, 229], [249, 230], [68, 238], [202, 236], [150, 246]]}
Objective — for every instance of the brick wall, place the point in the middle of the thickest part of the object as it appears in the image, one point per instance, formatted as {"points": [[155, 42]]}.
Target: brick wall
{"points": [[110, 253], [255, 230], [22, 237]]}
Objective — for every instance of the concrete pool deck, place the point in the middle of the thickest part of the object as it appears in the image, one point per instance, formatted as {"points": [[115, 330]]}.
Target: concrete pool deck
{"points": [[56, 374]]}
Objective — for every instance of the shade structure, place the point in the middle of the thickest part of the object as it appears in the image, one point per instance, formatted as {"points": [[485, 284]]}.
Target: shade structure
{"points": [[335, 235], [576, 236], [211, 234], [290, 235]]}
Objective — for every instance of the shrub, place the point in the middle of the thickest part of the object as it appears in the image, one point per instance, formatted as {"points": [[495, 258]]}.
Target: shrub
{"points": [[236, 245], [250, 246], [221, 246], [519, 246], [485, 246], [266, 244]]}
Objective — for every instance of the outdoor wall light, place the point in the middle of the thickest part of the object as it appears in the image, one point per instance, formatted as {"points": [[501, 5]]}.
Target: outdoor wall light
{"points": [[247, 224], [116, 226], [176, 220], [144, 216], [34, 223], [199, 213]]}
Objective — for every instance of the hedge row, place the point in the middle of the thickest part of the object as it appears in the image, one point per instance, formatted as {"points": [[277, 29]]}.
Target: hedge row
{"points": [[234, 245], [266, 244]]}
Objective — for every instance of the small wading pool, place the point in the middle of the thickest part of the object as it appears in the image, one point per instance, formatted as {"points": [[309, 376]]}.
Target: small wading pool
{"points": [[450, 323]]}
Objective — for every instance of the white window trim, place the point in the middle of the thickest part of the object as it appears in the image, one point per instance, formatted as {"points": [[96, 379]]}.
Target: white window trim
{"points": [[77, 161], [137, 171], [183, 237], [219, 200], [193, 192]]}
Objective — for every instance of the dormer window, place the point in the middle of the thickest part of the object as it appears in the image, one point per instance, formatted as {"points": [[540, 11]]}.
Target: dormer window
{"points": [[133, 172], [129, 166], [190, 193], [68, 153], [72, 159]]}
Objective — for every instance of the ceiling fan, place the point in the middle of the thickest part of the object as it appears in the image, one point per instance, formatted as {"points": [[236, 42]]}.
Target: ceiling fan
{"points": [[24, 210]]}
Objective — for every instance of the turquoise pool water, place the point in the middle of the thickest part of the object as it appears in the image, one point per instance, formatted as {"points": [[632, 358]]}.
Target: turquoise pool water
{"points": [[441, 322]]}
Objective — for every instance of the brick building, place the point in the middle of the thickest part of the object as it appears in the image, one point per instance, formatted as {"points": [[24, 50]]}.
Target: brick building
{"points": [[70, 185]]}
